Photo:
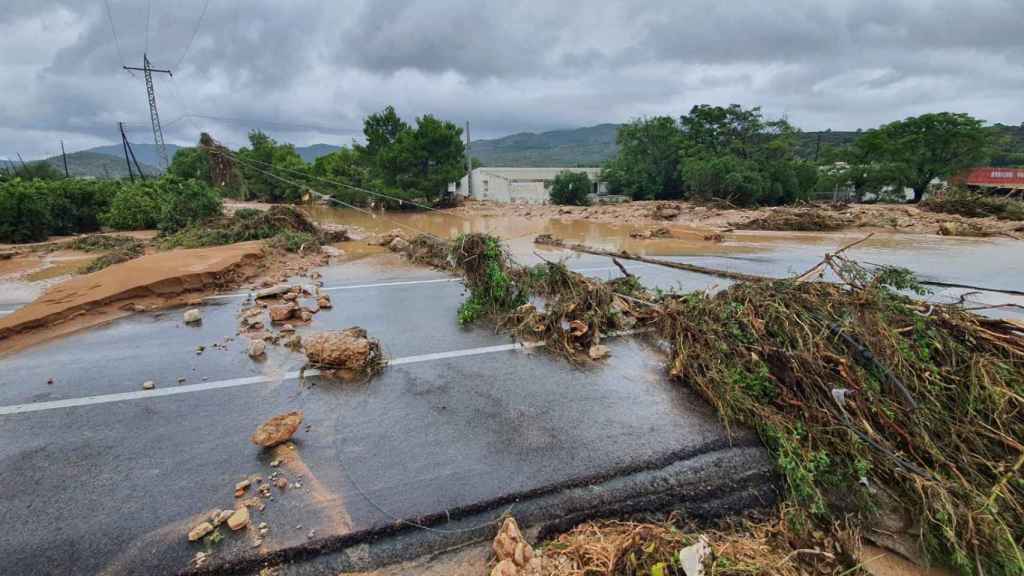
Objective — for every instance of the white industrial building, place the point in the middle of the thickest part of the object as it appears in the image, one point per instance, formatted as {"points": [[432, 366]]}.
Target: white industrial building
{"points": [[525, 185]]}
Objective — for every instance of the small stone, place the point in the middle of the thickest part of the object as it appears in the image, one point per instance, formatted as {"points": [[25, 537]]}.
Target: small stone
{"points": [[49, 381], [148, 385], [275, 463], [278, 429], [193, 316], [281, 483], [290, 297], [305, 315], [239, 519], [272, 290], [598, 351], [398, 245], [199, 531], [222, 517], [281, 312], [257, 348], [181, 380], [243, 485], [287, 328], [257, 543], [324, 302]]}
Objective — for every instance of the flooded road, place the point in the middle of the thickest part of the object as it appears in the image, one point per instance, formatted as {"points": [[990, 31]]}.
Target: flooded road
{"points": [[996, 263]]}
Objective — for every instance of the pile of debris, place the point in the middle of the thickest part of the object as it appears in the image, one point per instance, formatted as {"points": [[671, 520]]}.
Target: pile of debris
{"points": [[798, 219], [873, 403], [659, 232], [293, 228]]}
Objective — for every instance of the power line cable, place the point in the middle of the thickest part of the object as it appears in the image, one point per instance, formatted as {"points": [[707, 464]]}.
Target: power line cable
{"points": [[258, 123], [359, 189], [318, 193], [194, 32], [117, 41]]}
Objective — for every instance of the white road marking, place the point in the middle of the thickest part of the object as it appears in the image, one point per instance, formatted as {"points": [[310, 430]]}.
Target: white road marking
{"points": [[250, 380], [231, 383]]}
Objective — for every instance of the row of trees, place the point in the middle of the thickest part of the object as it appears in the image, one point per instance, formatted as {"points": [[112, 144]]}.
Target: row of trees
{"points": [[734, 153], [402, 161]]}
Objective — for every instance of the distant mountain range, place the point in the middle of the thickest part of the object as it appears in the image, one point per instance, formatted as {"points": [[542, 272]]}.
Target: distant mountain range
{"points": [[589, 146]]}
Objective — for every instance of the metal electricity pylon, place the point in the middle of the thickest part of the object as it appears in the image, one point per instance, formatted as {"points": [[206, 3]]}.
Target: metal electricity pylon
{"points": [[158, 133]]}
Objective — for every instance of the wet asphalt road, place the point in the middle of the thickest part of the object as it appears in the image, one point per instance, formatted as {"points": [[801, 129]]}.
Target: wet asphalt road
{"points": [[113, 486]]}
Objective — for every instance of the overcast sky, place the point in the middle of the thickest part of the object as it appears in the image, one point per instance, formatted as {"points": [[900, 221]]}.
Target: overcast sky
{"points": [[308, 71]]}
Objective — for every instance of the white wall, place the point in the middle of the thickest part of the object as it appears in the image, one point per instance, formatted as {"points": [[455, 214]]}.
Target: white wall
{"points": [[527, 185]]}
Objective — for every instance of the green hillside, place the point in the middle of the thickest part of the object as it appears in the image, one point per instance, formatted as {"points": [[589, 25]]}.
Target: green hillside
{"points": [[97, 165], [589, 146]]}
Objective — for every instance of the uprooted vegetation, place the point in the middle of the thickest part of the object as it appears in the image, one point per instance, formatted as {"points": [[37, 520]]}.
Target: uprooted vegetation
{"points": [[284, 226], [974, 205], [803, 219], [872, 403], [739, 547]]}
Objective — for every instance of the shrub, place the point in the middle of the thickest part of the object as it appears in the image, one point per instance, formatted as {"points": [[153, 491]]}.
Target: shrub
{"points": [[185, 202], [24, 212], [571, 188], [293, 241], [134, 207], [76, 205]]}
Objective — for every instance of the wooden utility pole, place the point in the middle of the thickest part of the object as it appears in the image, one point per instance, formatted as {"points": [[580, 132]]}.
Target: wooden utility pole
{"points": [[158, 133], [67, 174]]}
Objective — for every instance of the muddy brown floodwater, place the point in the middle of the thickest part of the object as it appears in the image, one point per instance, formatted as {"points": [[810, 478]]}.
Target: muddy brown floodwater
{"points": [[990, 262]]}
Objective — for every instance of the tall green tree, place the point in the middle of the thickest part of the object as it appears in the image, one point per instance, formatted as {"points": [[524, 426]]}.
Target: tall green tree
{"points": [[736, 154], [267, 167], [647, 164], [929, 146], [421, 162], [343, 166], [382, 131]]}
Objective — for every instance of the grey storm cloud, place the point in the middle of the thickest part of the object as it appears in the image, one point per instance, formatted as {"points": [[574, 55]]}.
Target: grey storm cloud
{"points": [[309, 71]]}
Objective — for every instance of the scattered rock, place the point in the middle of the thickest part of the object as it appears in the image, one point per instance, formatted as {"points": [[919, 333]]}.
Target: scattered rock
{"points": [[242, 486], [398, 245], [148, 385], [667, 212], [275, 463], [193, 316], [200, 530], [287, 328], [515, 556], [324, 301], [222, 517], [281, 312], [49, 380], [277, 430], [598, 351], [273, 291], [290, 297], [281, 482], [714, 237], [293, 342], [348, 349], [387, 239], [257, 348], [239, 518], [305, 315]]}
